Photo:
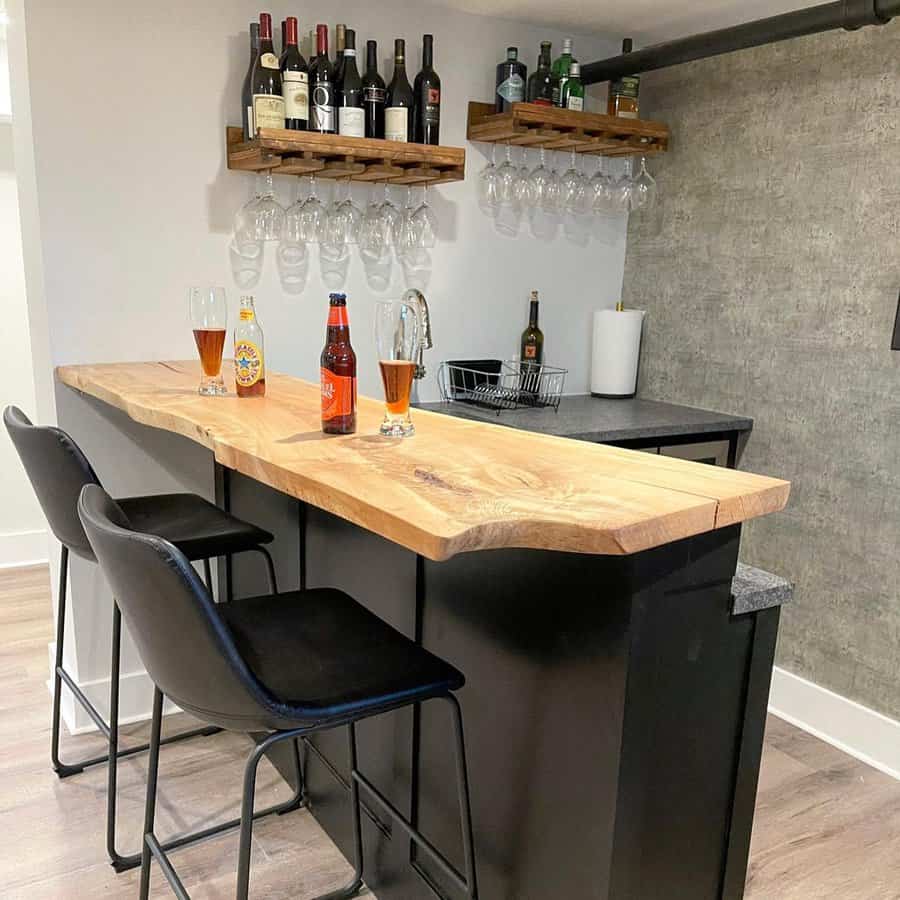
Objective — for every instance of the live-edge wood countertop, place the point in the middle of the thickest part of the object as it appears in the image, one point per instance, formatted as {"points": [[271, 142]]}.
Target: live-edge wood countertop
{"points": [[456, 486]]}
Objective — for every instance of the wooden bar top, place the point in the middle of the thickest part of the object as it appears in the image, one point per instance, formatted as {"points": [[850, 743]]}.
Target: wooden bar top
{"points": [[455, 486]]}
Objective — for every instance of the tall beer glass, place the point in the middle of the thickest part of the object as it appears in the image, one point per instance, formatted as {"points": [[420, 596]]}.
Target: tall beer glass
{"points": [[209, 316], [397, 342]]}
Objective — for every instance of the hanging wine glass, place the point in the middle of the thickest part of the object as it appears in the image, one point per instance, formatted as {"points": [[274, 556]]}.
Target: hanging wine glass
{"points": [[620, 191], [425, 223], [600, 189], [572, 190], [344, 217], [406, 239], [537, 181], [523, 188], [507, 175], [313, 216], [488, 185], [643, 188], [390, 216], [372, 240], [552, 195], [269, 212]]}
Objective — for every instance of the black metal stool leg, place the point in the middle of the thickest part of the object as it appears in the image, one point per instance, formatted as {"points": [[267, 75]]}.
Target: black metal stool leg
{"points": [[61, 768], [207, 575], [465, 809], [150, 802], [355, 885], [270, 568]]}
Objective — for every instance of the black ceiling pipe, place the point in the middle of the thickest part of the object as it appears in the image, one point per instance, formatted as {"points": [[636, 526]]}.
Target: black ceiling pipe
{"points": [[848, 14]]}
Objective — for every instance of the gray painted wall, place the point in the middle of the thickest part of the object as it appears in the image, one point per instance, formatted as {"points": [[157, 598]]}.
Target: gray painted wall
{"points": [[770, 271]]}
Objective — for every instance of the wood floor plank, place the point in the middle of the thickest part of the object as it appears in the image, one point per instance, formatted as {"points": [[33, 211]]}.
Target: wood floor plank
{"points": [[827, 826]]}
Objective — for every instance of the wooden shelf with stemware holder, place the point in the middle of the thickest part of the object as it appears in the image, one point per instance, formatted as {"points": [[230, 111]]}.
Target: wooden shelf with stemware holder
{"points": [[337, 156], [533, 125]]}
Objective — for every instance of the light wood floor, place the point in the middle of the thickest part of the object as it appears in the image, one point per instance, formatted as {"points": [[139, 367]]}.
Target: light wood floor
{"points": [[827, 827]]}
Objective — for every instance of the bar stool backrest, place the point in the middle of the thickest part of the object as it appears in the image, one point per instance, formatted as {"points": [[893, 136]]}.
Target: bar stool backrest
{"points": [[184, 644], [58, 470]]}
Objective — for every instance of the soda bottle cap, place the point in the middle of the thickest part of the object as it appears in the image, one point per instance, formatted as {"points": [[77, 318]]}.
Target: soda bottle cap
{"points": [[337, 299]]}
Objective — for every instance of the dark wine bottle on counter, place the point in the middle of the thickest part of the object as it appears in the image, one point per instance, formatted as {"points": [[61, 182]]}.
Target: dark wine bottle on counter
{"points": [[511, 75], [338, 371], [265, 81], [351, 116], [340, 43], [373, 93], [322, 100], [540, 82], [532, 338], [427, 93], [246, 91], [294, 81], [399, 100]]}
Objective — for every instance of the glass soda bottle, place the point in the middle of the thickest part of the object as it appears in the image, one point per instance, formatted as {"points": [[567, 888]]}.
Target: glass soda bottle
{"points": [[249, 357], [338, 371]]}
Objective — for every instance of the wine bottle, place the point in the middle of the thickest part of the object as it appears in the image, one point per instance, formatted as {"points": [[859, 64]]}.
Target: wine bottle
{"points": [[427, 94], [560, 71], [511, 76], [340, 42], [283, 41], [399, 99], [322, 108], [532, 345], [540, 82], [294, 81], [246, 92], [351, 117], [373, 93], [624, 92], [265, 81], [573, 89]]}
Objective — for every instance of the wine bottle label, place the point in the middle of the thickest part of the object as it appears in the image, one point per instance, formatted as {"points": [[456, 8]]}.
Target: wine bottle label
{"points": [[373, 95], [338, 395], [396, 123], [321, 110], [512, 89], [268, 111], [432, 108], [351, 121], [295, 90], [248, 363], [251, 128], [269, 61], [575, 103], [530, 351]]}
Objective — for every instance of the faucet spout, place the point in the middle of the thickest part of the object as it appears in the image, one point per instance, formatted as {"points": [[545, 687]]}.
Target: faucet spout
{"points": [[417, 300]]}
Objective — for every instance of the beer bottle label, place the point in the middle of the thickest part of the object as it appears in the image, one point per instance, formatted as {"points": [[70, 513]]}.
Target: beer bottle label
{"points": [[248, 363], [338, 395]]}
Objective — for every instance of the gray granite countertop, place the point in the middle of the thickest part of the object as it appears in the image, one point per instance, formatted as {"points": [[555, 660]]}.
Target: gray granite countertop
{"points": [[588, 418], [754, 589]]}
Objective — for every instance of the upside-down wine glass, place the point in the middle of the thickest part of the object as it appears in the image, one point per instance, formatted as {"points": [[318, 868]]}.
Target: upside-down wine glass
{"points": [[313, 216], [269, 212], [488, 183], [425, 223], [643, 188]]}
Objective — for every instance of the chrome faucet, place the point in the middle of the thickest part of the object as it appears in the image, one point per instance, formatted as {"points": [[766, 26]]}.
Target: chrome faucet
{"points": [[417, 300]]}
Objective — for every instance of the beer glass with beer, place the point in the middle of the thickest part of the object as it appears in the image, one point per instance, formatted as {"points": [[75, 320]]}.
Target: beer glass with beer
{"points": [[209, 316], [397, 341]]}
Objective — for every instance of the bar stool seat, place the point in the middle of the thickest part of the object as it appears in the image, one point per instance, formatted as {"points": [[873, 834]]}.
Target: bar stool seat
{"points": [[377, 668], [198, 528]]}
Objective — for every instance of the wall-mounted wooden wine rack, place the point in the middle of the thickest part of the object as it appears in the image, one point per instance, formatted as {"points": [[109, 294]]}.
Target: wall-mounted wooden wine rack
{"points": [[336, 156], [531, 125]]}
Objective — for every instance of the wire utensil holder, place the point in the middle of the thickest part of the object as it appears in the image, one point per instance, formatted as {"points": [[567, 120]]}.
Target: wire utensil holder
{"points": [[498, 385]]}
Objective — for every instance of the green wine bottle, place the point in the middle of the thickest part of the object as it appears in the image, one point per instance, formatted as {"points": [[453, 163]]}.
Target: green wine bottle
{"points": [[573, 89], [559, 72]]}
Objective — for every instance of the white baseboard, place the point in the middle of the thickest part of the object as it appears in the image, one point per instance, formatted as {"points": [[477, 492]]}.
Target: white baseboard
{"points": [[863, 733], [135, 700], [23, 548]]}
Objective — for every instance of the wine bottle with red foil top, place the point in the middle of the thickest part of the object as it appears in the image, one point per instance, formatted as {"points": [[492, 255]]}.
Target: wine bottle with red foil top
{"points": [[322, 101], [265, 81], [338, 371], [294, 81]]}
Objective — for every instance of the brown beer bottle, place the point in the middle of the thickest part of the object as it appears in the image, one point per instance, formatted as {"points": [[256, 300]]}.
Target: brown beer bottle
{"points": [[338, 369]]}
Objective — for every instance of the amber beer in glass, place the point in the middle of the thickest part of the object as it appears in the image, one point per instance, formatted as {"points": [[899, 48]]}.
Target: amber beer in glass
{"points": [[338, 371], [397, 341], [209, 316]]}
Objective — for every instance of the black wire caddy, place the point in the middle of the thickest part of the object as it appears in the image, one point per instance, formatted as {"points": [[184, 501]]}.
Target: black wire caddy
{"points": [[499, 385]]}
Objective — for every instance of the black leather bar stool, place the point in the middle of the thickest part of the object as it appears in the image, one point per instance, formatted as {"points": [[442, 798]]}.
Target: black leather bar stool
{"points": [[58, 470], [289, 665]]}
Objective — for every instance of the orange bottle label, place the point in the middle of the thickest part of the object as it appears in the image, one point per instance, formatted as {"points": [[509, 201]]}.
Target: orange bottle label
{"points": [[338, 395], [248, 363]]}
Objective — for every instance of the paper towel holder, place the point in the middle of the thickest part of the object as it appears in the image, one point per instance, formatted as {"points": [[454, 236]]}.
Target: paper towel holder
{"points": [[616, 352]]}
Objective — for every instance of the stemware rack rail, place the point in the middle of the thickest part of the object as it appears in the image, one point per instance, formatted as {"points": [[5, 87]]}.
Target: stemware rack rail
{"points": [[532, 125], [337, 156]]}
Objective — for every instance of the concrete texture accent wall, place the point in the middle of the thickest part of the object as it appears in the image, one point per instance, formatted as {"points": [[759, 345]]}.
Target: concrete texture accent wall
{"points": [[770, 272]]}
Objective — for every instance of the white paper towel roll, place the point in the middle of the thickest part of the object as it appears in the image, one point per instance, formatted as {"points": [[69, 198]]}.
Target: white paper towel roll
{"points": [[617, 347]]}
